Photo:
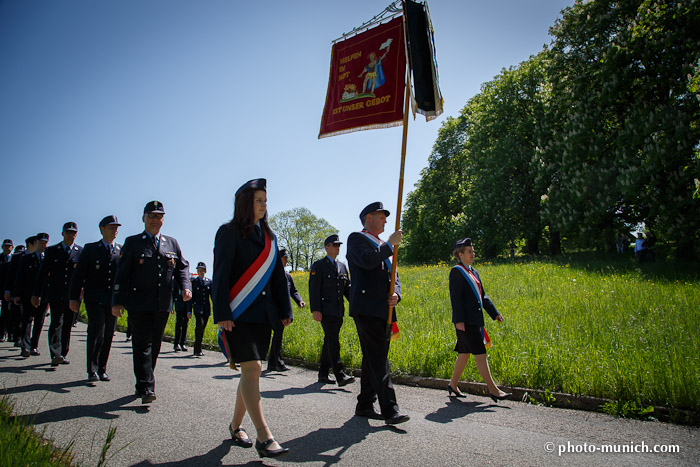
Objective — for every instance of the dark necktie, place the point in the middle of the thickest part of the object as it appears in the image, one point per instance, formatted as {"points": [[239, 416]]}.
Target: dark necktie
{"points": [[155, 241]]}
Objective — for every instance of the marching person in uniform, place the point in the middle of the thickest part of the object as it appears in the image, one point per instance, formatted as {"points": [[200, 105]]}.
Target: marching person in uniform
{"points": [[182, 311], [6, 331], [53, 282], [148, 264], [92, 281], [249, 295], [274, 361], [201, 306], [468, 304], [8, 285], [27, 270], [370, 269], [328, 284]]}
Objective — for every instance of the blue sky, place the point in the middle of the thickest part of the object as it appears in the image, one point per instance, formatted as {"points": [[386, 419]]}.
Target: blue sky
{"points": [[107, 105]]}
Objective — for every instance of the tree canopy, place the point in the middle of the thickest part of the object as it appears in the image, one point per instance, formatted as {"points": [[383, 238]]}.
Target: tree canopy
{"points": [[302, 234], [597, 133]]}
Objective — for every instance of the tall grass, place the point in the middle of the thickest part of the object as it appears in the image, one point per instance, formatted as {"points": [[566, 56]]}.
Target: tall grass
{"points": [[599, 327]]}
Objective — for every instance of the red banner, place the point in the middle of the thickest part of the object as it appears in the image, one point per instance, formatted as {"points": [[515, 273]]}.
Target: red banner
{"points": [[366, 83]]}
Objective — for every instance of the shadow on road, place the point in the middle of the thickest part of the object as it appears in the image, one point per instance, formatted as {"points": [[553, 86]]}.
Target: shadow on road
{"points": [[313, 388], [456, 408], [212, 457], [58, 388], [316, 445], [103, 411]]}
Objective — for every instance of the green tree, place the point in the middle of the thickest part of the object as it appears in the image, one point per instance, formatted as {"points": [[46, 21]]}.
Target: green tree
{"points": [[302, 234]]}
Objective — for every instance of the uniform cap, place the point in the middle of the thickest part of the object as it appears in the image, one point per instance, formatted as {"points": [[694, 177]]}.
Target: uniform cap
{"points": [[201, 265], [154, 206], [20, 248], [42, 236], [109, 220], [377, 206], [70, 226], [332, 239], [7, 241], [283, 253], [31, 239], [463, 242], [256, 184]]}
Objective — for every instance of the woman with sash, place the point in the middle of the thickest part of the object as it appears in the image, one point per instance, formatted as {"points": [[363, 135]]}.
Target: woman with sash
{"points": [[249, 292], [468, 304]]}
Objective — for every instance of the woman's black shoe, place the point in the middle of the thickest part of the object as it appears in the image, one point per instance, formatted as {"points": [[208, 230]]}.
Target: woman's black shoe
{"points": [[500, 398], [242, 442], [264, 452], [451, 392]]}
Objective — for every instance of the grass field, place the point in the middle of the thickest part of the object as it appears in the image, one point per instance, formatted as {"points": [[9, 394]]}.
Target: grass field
{"points": [[599, 327]]}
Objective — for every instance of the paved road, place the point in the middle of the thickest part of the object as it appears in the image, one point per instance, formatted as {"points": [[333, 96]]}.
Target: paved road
{"points": [[187, 425]]}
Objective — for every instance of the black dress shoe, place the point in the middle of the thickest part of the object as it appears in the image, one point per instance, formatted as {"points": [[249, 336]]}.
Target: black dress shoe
{"points": [[35, 352], [264, 452], [500, 398], [104, 377], [183, 347], [369, 413], [65, 361], [25, 353], [92, 377], [57, 360], [326, 380], [199, 354], [397, 418], [456, 393], [242, 442], [345, 379], [176, 348], [148, 396]]}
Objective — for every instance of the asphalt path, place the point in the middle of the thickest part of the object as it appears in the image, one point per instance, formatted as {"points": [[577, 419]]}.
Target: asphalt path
{"points": [[187, 424]]}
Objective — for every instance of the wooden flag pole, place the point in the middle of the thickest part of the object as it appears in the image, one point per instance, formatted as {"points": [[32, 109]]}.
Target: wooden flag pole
{"points": [[398, 204]]}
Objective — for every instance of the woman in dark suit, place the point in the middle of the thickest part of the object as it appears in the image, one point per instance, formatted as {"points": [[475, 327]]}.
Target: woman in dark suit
{"points": [[246, 304], [468, 302]]}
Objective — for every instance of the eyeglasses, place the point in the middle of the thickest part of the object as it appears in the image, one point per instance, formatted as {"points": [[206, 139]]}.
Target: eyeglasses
{"points": [[154, 215]]}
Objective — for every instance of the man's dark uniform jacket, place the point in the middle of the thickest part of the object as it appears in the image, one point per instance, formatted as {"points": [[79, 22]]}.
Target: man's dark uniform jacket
{"points": [[95, 273], [328, 284], [56, 271], [201, 293], [144, 275]]}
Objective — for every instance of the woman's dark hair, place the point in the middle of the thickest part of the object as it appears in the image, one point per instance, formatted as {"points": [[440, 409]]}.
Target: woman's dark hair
{"points": [[243, 214], [457, 251]]}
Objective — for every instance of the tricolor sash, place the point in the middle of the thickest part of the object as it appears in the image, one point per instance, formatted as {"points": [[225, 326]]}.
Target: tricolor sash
{"points": [[251, 283], [472, 281], [376, 242]]}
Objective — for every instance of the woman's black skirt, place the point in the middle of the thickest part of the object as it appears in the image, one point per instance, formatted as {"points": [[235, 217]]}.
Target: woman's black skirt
{"points": [[471, 340], [248, 341]]}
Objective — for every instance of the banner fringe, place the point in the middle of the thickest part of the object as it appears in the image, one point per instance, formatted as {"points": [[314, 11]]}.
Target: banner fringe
{"points": [[375, 126]]}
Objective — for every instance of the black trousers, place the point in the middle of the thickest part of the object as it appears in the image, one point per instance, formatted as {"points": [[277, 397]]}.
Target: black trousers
{"points": [[30, 314], [147, 334], [275, 357], [5, 321], [181, 321], [100, 331], [16, 321], [330, 353], [200, 324], [60, 328], [376, 374]]}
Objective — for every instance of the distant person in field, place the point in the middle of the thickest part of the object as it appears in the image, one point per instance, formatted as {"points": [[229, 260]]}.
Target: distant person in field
{"points": [[468, 304], [201, 306], [370, 302], [274, 360], [329, 282], [639, 247]]}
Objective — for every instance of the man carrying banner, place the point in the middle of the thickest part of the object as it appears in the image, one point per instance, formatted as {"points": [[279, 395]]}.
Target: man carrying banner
{"points": [[370, 269]]}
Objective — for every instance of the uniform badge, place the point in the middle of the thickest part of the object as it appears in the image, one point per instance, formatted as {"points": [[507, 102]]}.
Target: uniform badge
{"points": [[97, 266], [141, 261], [116, 287], [313, 272], [172, 262], [75, 265]]}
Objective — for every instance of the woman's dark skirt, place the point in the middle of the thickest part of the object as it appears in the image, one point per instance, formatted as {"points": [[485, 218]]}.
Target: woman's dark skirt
{"points": [[471, 340], [248, 342]]}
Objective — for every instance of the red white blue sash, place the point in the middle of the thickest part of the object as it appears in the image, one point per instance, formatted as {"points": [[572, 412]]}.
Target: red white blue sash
{"points": [[253, 281], [472, 281], [377, 242]]}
